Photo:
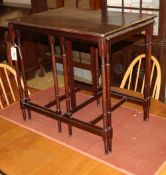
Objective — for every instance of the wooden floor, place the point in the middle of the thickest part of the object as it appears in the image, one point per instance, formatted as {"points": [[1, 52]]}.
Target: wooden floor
{"points": [[23, 152]]}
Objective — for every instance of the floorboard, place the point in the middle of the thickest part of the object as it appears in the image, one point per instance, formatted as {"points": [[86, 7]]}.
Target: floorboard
{"points": [[25, 152]]}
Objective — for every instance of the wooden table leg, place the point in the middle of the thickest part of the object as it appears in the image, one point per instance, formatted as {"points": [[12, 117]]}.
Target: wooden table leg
{"points": [[147, 98], [70, 76], [102, 53], [20, 89], [108, 78], [95, 71], [12, 34], [51, 41], [25, 91], [65, 72], [98, 71]]}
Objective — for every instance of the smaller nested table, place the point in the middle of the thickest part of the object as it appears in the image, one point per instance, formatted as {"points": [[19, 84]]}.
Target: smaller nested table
{"points": [[92, 27]]}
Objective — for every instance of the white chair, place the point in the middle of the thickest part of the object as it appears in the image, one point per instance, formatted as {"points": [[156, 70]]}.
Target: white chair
{"points": [[8, 85], [132, 79]]}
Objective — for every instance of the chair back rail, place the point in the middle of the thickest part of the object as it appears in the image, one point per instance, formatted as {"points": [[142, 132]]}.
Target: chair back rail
{"points": [[8, 85], [155, 76]]}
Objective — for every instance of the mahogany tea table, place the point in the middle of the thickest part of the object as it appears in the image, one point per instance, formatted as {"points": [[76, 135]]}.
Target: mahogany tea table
{"points": [[100, 28]]}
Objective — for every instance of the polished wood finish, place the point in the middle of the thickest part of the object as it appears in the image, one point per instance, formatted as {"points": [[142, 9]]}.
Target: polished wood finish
{"points": [[87, 26], [124, 51]]}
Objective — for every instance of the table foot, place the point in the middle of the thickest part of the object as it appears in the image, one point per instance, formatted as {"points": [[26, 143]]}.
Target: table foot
{"points": [[29, 113], [59, 126], [70, 129], [106, 142], [97, 100], [59, 122], [24, 114], [146, 115], [110, 134], [23, 111]]}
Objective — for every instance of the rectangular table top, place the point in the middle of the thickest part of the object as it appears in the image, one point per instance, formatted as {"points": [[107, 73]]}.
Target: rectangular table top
{"points": [[87, 22]]}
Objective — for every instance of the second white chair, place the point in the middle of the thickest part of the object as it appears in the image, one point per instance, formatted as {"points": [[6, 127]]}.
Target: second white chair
{"points": [[132, 80]]}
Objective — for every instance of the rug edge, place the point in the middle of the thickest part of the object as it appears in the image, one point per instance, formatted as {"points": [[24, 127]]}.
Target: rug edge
{"points": [[159, 170]]}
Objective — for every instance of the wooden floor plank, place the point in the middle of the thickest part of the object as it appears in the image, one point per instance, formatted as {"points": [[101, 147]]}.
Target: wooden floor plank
{"points": [[26, 153]]}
